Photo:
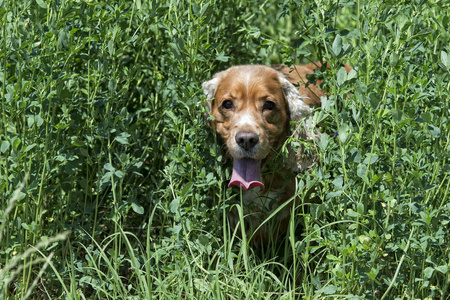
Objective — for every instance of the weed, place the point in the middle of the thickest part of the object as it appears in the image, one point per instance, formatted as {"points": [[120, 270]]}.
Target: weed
{"points": [[100, 107]]}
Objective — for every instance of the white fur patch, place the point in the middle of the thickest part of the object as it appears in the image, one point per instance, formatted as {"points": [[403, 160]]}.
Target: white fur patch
{"points": [[246, 120], [297, 108], [247, 79], [209, 88]]}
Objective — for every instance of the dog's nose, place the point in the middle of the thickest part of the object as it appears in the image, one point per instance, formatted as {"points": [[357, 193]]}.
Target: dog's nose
{"points": [[247, 139]]}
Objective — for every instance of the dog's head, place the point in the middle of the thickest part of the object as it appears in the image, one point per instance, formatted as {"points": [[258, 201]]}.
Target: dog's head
{"points": [[252, 107]]}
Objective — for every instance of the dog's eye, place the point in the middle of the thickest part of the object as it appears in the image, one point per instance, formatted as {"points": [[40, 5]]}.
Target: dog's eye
{"points": [[227, 104], [269, 105]]}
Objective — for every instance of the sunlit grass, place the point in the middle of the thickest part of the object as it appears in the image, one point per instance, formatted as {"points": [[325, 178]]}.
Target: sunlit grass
{"points": [[113, 187]]}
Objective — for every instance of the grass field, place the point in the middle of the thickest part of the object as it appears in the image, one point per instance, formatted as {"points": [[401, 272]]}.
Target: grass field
{"points": [[108, 172]]}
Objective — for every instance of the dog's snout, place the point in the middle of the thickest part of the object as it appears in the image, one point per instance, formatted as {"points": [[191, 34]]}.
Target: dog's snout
{"points": [[247, 139]]}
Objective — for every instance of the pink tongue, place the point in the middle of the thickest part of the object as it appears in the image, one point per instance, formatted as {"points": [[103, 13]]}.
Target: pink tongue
{"points": [[246, 173]]}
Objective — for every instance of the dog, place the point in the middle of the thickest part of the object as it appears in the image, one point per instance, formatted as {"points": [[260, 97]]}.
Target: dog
{"points": [[255, 109]]}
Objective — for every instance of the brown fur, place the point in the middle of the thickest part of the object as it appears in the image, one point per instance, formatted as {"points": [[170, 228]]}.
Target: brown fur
{"points": [[297, 76]]}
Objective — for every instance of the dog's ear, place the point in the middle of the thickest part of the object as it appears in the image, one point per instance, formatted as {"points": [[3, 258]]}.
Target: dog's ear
{"points": [[298, 159], [209, 88], [298, 110]]}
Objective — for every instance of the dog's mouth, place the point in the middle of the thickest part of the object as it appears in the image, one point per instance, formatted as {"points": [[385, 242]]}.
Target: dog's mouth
{"points": [[246, 173]]}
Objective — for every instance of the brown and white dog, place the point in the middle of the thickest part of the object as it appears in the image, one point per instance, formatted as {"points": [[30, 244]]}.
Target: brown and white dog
{"points": [[253, 107]]}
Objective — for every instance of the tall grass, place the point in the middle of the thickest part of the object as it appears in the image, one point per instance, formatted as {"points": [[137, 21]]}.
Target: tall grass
{"points": [[113, 187]]}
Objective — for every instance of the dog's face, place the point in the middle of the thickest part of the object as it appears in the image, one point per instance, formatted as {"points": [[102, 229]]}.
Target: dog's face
{"points": [[250, 111], [252, 107]]}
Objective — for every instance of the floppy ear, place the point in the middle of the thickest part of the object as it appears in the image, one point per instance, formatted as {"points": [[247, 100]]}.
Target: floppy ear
{"points": [[298, 160], [298, 110], [209, 88]]}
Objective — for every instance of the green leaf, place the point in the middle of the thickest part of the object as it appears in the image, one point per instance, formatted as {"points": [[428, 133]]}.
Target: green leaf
{"points": [[352, 74], [5, 146], [332, 195], [177, 228], [28, 148], [426, 117], [337, 45], [186, 188], [206, 9], [73, 31], [393, 59], [42, 3], [327, 104], [112, 85], [373, 274], [355, 155], [435, 131], [371, 159], [323, 143], [428, 272], [39, 121], [203, 239], [361, 87], [360, 208], [109, 167], [328, 290], [137, 208], [402, 20], [222, 57], [19, 196], [344, 133], [352, 213], [445, 58], [316, 210], [30, 121], [341, 76], [111, 47], [16, 143], [62, 39], [397, 115], [443, 269], [123, 138], [361, 170], [333, 257], [339, 182], [174, 205], [374, 100]]}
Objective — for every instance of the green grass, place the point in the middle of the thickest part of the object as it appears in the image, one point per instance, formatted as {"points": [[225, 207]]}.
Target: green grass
{"points": [[108, 172]]}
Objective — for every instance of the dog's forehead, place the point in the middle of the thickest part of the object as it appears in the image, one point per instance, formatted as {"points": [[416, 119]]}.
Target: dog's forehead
{"points": [[251, 79]]}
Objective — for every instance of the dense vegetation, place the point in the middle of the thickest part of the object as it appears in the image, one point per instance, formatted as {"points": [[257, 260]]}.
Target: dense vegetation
{"points": [[108, 172]]}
